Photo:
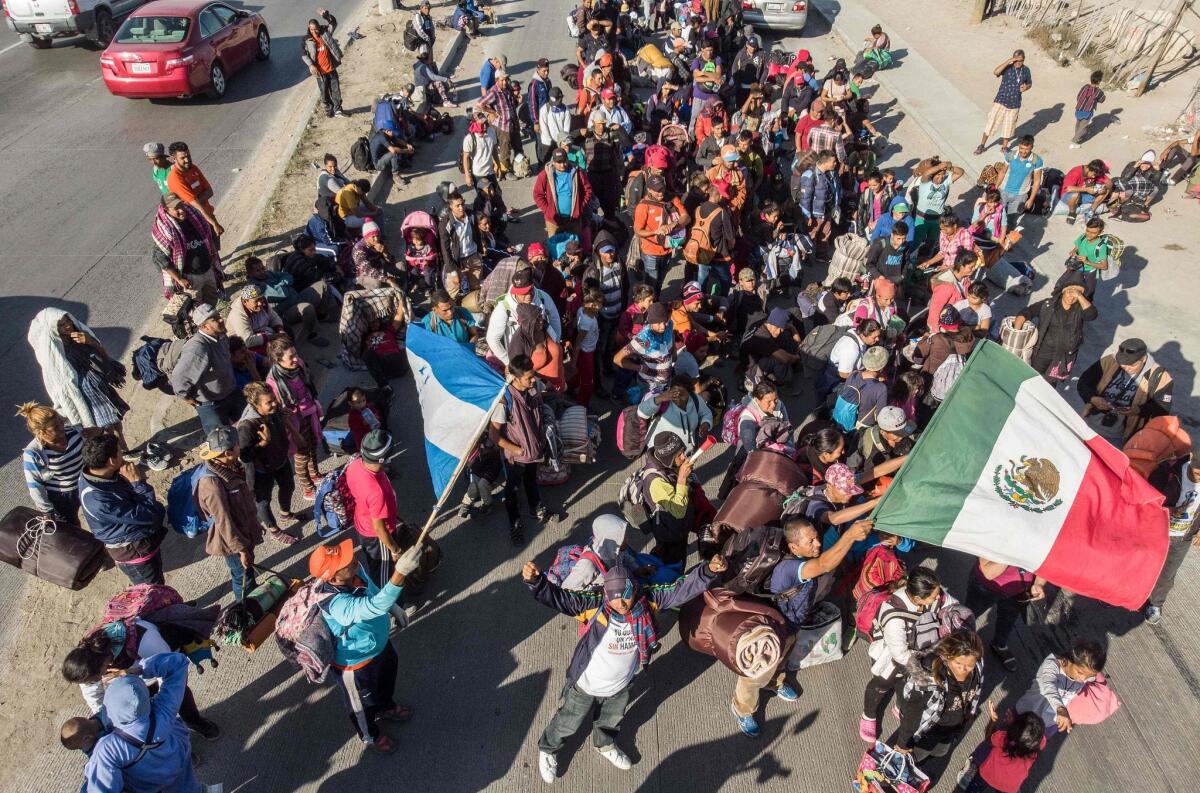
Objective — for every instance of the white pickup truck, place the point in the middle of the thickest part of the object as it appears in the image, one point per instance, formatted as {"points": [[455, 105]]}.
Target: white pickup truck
{"points": [[40, 21]]}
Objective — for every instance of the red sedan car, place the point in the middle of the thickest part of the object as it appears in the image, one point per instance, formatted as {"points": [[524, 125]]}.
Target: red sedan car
{"points": [[180, 48]]}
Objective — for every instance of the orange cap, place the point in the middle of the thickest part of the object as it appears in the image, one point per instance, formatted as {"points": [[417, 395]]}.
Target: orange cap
{"points": [[328, 559]]}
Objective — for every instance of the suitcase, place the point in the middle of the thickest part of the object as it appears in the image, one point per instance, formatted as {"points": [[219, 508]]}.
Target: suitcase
{"points": [[58, 552], [773, 470], [749, 505]]}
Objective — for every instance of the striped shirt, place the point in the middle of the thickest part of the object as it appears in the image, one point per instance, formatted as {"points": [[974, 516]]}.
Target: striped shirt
{"points": [[52, 471], [656, 367], [610, 286], [1089, 96]]}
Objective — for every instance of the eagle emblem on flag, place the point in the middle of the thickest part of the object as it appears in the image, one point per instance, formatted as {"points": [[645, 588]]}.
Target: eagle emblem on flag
{"points": [[1030, 483]]}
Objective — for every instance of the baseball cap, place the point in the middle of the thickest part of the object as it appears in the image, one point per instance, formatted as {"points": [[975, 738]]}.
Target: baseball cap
{"points": [[746, 274], [172, 201], [560, 155], [892, 419], [608, 93], [251, 292], [154, 149], [1130, 351], [901, 207], [222, 439], [840, 477], [753, 41], [950, 319], [656, 183], [204, 312], [325, 560], [522, 282], [607, 247], [376, 447], [875, 359]]}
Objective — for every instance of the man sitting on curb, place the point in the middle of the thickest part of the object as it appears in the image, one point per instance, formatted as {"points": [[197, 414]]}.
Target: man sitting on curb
{"points": [[357, 616]]}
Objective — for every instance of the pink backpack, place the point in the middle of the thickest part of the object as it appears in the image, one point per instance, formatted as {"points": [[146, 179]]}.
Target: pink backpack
{"points": [[131, 603], [565, 559], [729, 425], [303, 635]]}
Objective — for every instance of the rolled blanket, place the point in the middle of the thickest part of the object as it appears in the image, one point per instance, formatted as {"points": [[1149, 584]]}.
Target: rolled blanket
{"points": [[758, 651]]}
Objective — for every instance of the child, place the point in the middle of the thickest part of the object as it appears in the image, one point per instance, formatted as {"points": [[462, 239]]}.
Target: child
{"points": [[587, 337], [1086, 100], [421, 257], [484, 469], [1060, 680], [382, 353], [363, 416], [1001, 763]]}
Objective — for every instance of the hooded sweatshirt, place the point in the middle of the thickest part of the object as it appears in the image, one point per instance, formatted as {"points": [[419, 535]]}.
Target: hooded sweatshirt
{"points": [[358, 619], [608, 537], [165, 768]]}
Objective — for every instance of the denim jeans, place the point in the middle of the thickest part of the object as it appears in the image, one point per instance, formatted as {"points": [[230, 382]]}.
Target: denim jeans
{"points": [[223, 412], [656, 268], [149, 571], [241, 578], [577, 706]]}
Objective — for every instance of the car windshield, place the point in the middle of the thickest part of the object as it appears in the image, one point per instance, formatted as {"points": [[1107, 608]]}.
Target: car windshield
{"points": [[153, 30]]}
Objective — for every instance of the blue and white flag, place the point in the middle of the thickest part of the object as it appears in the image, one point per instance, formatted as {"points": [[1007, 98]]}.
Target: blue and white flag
{"points": [[456, 389]]}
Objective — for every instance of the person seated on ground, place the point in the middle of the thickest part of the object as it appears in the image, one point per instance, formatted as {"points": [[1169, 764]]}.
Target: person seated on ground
{"points": [[53, 460], [164, 760], [307, 265], [329, 181], [773, 348], [364, 415], [446, 319], [374, 265], [832, 302], [248, 366], [975, 310], [1180, 155], [1125, 389], [390, 152], [382, 352], [951, 285], [1085, 185], [951, 337], [1137, 187], [353, 208], [252, 318], [305, 309]]}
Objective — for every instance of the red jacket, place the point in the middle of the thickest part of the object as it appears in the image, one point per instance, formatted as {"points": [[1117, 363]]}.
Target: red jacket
{"points": [[546, 200]]}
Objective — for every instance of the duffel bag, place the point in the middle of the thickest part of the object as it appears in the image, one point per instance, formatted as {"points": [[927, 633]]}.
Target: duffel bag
{"points": [[743, 632], [750, 504], [772, 469], [53, 551]]}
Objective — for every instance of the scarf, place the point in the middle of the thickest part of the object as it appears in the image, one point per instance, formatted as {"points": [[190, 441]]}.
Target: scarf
{"points": [[60, 378], [167, 233], [641, 619], [282, 377], [530, 331], [227, 472]]}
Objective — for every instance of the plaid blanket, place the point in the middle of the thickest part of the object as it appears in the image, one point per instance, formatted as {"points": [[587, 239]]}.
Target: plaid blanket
{"points": [[167, 233], [360, 311]]}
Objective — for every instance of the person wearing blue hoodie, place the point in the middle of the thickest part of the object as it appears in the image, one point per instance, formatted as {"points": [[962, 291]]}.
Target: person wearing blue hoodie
{"points": [[148, 749], [898, 211], [619, 640], [358, 616], [121, 510]]}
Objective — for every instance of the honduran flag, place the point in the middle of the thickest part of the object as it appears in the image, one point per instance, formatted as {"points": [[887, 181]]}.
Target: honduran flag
{"points": [[1008, 471], [456, 390]]}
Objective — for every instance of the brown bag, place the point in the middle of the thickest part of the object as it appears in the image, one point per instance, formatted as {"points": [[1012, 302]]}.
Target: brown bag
{"points": [[774, 470], [699, 248], [67, 556], [714, 623], [751, 504]]}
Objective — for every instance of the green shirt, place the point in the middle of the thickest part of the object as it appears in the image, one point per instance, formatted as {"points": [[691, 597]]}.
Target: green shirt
{"points": [[160, 178], [1093, 251]]}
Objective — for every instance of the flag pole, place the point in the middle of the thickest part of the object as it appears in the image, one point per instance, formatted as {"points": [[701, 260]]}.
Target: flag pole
{"points": [[462, 463]]}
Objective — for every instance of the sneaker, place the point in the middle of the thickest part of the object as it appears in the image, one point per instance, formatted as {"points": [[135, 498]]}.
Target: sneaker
{"points": [[746, 724], [283, 537], [868, 730], [1073, 146], [615, 756], [1071, 219], [547, 767], [516, 534], [206, 729], [978, 150], [309, 494], [464, 511], [382, 745], [1007, 660], [787, 693], [966, 775], [339, 114], [1153, 614]]}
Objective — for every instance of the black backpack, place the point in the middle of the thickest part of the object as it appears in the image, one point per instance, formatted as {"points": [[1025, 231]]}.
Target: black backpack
{"points": [[411, 40], [360, 155], [752, 556]]}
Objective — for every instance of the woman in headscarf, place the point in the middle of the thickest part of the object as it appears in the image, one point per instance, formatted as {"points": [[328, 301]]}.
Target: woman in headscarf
{"points": [[1059, 319], [293, 386], [80, 377]]}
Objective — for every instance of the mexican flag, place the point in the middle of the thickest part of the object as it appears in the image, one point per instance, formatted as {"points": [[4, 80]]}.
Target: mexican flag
{"points": [[1008, 471]]}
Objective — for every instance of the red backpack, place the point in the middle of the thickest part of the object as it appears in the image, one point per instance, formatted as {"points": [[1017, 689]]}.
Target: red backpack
{"points": [[133, 602]]}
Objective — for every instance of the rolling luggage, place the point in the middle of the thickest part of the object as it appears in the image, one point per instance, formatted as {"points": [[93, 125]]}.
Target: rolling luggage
{"points": [[53, 551]]}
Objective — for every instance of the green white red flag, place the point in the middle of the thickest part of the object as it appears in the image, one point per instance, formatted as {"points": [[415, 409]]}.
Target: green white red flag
{"points": [[1008, 471]]}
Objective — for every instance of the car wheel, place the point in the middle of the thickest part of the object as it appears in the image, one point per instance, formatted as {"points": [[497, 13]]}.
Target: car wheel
{"points": [[39, 43], [104, 30], [264, 45], [216, 82]]}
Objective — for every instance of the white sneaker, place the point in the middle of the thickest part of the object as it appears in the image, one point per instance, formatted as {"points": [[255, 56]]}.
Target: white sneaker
{"points": [[548, 767], [217, 788], [615, 756], [1073, 146]]}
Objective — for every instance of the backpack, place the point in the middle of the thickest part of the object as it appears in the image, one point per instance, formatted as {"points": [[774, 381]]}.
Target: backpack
{"points": [[699, 248], [845, 412], [411, 40], [632, 430], [565, 559], [729, 425], [817, 346], [877, 599], [752, 556], [946, 376], [183, 511], [333, 505], [633, 506], [360, 155], [133, 602], [303, 636]]}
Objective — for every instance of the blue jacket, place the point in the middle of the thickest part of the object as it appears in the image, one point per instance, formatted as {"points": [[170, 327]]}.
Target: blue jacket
{"points": [[359, 620], [487, 75], [119, 512], [167, 767], [818, 193], [537, 95], [659, 597], [883, 226]]}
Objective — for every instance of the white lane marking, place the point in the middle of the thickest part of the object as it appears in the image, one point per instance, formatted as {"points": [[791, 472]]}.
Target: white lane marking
{"points": [[11, 46]]}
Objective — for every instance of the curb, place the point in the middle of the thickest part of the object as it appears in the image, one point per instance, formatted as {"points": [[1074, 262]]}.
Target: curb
{"points": [[948, 148]]}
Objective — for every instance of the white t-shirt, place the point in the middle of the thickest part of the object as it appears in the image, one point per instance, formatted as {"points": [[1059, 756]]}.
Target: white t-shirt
{"points": [[482, 151], [1183, 514], [614, 662], [847, 354], [973, 316], [152, 643], [588, 335]]}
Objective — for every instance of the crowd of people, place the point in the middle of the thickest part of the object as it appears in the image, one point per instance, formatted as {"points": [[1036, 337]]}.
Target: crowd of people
{"points": [[709, 254]]}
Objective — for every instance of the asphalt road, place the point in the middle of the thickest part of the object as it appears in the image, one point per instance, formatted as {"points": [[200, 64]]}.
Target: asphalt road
{"points": [[77, 197]]}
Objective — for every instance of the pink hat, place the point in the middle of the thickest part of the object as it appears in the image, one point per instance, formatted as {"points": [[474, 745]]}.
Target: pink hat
{"points": [[884, 287], [608, 93], [840, 477], [370, 229], [535, 250]]}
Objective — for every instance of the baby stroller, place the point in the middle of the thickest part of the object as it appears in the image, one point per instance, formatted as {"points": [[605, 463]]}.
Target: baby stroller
{"points": [[674, 136], [425, 266]]}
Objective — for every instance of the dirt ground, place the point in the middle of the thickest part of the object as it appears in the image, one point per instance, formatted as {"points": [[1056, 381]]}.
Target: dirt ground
{"points": [[34, 699]]}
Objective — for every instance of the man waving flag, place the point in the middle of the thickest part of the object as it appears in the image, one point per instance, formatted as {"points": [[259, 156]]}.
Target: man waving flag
{"points": [[1008, 471], [457, 391]]}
